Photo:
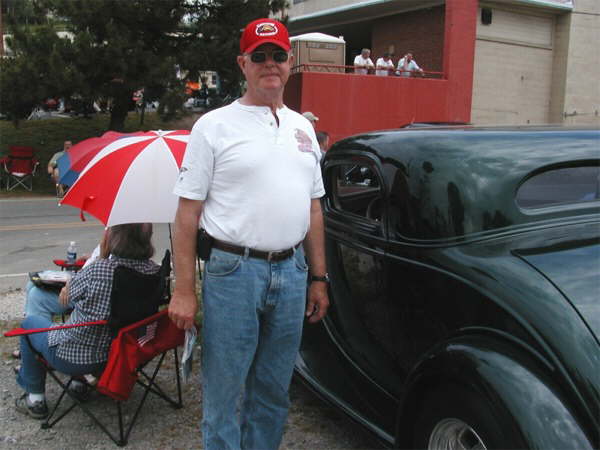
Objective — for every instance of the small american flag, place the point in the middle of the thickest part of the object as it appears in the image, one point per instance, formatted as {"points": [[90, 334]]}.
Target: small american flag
{"points": [[147, 333]]}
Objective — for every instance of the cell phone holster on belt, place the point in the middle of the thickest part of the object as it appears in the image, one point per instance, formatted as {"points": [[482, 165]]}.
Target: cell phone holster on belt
{"points": [[204, 244]]}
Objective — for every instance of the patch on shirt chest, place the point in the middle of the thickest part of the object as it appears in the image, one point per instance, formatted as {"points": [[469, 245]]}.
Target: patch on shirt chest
{"points": [[304, 142]]}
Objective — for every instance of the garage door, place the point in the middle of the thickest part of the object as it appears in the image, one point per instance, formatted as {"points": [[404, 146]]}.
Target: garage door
{"points": [[513, 69]]}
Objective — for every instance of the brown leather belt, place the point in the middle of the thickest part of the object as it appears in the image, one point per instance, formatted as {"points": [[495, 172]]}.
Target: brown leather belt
{"points": [[269, 256]]}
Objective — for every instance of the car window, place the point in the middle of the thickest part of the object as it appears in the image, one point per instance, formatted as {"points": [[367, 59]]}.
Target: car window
{"points": [[560, 186], [356, 190]]}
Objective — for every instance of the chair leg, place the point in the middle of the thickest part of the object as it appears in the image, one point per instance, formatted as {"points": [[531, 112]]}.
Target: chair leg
{"points": [[122, 439], [156, 389], [20, 182], [146, 391], [47, 423]]}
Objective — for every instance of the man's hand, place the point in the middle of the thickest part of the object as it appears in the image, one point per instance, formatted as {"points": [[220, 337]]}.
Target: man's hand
{"points": [[63, 295], [183, 309], [318, 301]]}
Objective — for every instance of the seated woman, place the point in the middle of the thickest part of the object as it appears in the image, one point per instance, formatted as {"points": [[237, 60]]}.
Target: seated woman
{"points": [[83, 350]]}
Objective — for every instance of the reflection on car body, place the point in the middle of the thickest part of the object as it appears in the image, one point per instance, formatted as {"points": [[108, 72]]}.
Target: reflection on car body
{"points": [[465, 306]]}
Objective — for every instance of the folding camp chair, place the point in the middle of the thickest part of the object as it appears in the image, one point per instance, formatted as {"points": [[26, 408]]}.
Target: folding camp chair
{"points": [[136, 343], [19, 167]]}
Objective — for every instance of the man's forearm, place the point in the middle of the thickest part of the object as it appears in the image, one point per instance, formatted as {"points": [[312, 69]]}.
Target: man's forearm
{"points": [[314, 242], [184, 248]]}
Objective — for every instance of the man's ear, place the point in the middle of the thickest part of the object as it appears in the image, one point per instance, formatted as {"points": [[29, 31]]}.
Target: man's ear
{"points": [[291, 59], [242, 63]]}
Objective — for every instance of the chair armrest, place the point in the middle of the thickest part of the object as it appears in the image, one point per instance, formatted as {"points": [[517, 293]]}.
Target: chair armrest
{"points": [[23, 332]]}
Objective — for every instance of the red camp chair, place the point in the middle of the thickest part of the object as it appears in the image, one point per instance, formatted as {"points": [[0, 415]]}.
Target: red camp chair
{"points": [[19, 167], [136, 345]]}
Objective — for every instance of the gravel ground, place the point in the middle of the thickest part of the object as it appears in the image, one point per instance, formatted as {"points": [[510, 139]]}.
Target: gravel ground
{"points": [[311, 423]]}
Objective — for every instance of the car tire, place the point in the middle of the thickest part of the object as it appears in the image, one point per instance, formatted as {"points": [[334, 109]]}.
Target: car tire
{"points": [[452, 416]]}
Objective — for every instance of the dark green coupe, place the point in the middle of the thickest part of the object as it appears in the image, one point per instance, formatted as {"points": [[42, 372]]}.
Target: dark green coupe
{"points": [[465, 287]]}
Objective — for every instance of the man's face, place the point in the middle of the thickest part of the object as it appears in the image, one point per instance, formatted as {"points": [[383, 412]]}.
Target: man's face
{"points": [[268, 75], [365, 54], [409, 56], [67, 145]]}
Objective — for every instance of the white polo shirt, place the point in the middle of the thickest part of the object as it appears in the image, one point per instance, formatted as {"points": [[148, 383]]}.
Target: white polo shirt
{"points": [[359, 60], [383, 66], [256, 179]]}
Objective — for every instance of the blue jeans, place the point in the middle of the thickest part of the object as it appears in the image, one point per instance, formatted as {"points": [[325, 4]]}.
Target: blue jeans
{"points": [[32, 376], [42, 302], [252, 325]]}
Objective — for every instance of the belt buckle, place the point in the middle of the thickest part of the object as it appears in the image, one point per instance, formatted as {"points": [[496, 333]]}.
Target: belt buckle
{"points": [[270, 256]]}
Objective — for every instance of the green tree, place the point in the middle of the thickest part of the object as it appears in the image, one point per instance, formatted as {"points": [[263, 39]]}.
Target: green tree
{"points": [[218, 25], [118, 46], [121, 46], [25, 80]]}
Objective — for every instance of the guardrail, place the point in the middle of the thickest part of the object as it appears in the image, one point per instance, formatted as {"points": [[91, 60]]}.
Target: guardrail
{"points": [[350, 70]]}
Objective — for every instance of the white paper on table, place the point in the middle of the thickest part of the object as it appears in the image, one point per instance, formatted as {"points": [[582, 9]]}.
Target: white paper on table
{"points": [[188, 353], [59, 276]]}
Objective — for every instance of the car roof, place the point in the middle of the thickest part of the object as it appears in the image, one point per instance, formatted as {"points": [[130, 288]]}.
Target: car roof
{"points": [[482, 167]]}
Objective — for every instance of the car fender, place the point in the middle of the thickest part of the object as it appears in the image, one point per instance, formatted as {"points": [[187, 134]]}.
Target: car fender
{"points": [[513, 381]]}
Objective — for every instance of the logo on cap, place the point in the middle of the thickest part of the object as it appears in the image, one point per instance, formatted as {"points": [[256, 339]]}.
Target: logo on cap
{"points": [[266, 29]]}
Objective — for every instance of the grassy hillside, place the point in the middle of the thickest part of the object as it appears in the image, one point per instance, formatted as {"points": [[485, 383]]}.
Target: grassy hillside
{"points": [[47, 137]]}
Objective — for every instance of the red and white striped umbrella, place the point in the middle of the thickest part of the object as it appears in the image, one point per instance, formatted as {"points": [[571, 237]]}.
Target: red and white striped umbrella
{"points": [[131, 180]]}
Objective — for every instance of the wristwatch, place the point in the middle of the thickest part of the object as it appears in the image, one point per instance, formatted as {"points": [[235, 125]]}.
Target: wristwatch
{"points": [[324, 278]]}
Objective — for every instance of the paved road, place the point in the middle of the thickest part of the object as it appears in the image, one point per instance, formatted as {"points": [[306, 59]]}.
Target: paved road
{"points": [[34, 231]]}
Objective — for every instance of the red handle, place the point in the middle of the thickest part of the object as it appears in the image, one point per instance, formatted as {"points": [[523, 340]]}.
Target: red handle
{"points": [[23, 331]]}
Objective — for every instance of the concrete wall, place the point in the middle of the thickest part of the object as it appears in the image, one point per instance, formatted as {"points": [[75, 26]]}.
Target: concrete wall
{"points": [[559, 68], [512, 81], [582, 85]]}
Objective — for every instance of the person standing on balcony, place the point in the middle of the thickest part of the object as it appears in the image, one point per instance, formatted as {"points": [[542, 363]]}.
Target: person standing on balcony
{"points": [[362, 62], [251, 180], [407, 66], [384, 65]]}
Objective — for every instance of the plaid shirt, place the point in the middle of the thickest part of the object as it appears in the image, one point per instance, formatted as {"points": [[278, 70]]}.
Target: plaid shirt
{"points": [[89, 291]]}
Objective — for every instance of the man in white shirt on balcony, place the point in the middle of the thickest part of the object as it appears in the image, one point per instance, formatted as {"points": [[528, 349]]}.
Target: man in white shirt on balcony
{"points": [[407, 66], [362, 62], [384, 65]]}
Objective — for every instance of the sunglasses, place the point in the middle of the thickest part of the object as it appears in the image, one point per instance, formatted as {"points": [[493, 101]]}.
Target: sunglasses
{"points": [[279, 56]]}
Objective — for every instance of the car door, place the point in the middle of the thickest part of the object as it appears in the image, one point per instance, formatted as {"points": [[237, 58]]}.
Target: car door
{"points": [[356, 238]]}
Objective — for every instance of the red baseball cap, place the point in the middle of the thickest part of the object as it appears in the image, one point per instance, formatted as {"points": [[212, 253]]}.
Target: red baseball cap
{"points": [[263, 31]]}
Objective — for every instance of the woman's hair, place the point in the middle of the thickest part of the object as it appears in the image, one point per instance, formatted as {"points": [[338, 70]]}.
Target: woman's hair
{"points": [[131, 240]]}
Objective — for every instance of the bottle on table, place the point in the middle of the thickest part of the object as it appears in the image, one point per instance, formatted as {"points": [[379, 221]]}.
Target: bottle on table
{"points": [[71, 253]]}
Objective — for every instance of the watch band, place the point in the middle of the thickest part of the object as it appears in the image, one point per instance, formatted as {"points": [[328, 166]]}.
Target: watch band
{"points": [[324, 278]]}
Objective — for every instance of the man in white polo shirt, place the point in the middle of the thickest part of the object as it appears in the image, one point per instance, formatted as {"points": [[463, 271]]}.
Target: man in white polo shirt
{"points": [[384, 65], [362, 62], [251, 179], [408, 67]]}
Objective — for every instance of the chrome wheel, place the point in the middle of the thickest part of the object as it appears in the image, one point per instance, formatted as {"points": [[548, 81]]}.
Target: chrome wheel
{"points": [[454, 434]]}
